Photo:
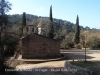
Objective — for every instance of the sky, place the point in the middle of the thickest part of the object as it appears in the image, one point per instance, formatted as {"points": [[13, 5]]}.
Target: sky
{"points": [[87, 10]]}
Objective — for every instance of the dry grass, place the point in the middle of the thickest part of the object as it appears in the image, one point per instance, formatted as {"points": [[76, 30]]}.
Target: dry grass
{"points": [[94, 66]]}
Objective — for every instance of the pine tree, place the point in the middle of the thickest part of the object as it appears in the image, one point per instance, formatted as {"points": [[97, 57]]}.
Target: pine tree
{"points": [[23, 24], [50, 30], [77, 31]]}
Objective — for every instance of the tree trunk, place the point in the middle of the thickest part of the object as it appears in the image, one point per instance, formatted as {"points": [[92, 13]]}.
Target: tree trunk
{"points": [[2, 68], [85, 54]]}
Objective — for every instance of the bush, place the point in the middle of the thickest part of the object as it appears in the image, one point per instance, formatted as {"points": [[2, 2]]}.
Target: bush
{"points": [[78, 46], [10, 43], [65, 44], [70, 44]]}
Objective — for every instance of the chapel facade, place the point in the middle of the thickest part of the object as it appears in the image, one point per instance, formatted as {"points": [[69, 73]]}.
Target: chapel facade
{"points": [[34, 45]]}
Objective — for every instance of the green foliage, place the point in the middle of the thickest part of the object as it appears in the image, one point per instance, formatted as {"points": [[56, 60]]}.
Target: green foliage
{"points": [[50, 28], [34, 20], [5, 6], [78, 46], [87, 28], [90, 39], [66, 45], [87, 64], [51, 24], [58, 37], [23, 19], [77, 31], [23, 23], [51, 14], [20, 31], [58, 24], [61, 28], [11, 44]]}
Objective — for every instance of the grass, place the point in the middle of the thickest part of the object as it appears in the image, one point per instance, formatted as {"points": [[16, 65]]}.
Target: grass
{"points": [[92, 65]]}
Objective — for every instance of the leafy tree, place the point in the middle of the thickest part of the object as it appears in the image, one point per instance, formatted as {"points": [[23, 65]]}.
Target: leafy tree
{"points": [[5, 6], [87, 28], [11, 44], [23, 23], [50, 30], [77, 31]]}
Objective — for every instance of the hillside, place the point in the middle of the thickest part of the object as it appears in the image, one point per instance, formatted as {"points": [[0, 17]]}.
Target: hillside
{"points": [[33, 19], [63, 30]]}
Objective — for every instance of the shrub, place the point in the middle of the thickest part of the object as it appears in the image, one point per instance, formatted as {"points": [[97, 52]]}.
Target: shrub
{"points": [[65, 44], [11, 43], [78, 46]]}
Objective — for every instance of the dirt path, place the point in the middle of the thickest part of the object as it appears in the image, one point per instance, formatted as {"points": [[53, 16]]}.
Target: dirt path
{"points": [[47, 68], [78, 54], [51, 64]]}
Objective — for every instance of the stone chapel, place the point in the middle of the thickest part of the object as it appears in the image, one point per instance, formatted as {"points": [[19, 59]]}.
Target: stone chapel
{"points": [[34, 45]]}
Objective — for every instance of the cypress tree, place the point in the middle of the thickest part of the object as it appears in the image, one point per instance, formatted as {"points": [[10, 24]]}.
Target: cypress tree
{"points": [[77, 31], [24, 19], [51, 29], [50, 13], [23, 24]]}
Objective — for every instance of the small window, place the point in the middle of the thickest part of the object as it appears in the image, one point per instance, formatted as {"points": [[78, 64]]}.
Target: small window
{"points": [[32, 29], [27, 29]]}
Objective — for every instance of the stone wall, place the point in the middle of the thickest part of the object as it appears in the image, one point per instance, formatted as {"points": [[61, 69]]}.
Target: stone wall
{"points": [[38, 46], [29, 29]]}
